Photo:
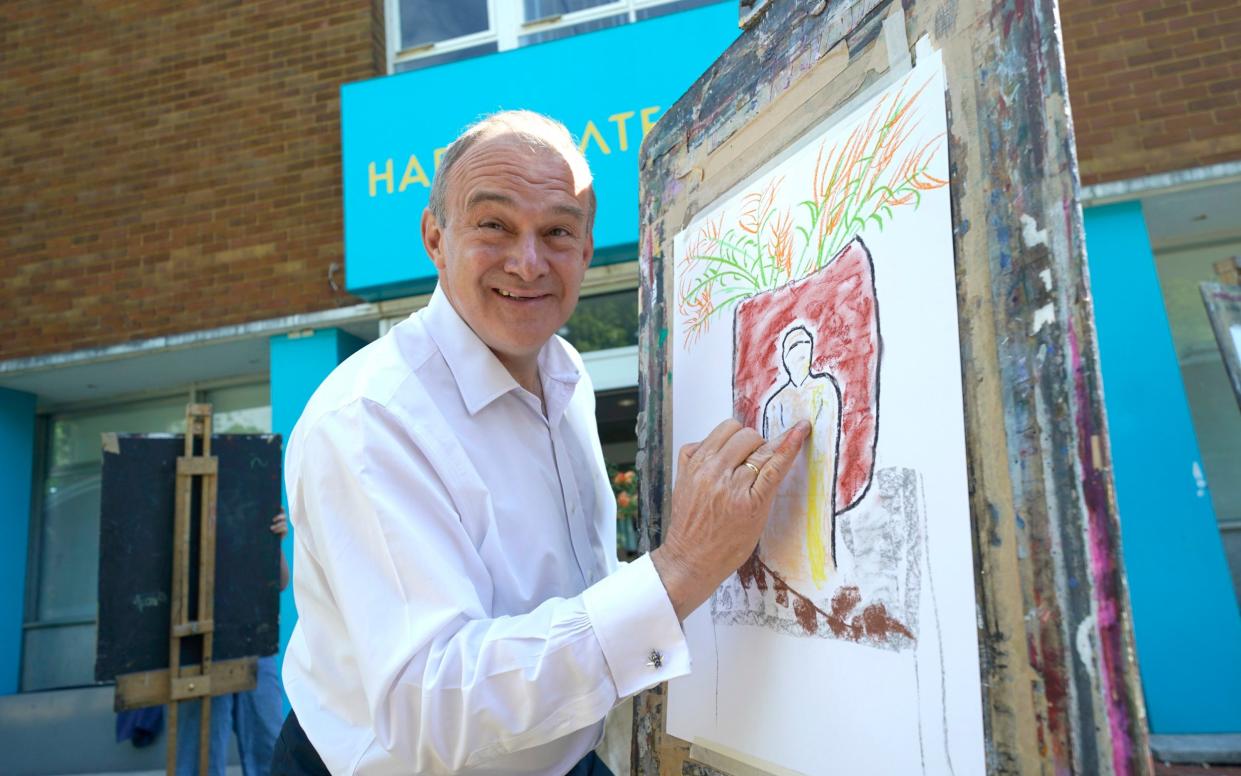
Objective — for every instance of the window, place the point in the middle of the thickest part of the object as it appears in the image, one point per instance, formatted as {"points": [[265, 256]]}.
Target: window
{"points": [[603, 322], [1191, 231], [58, 647], [422, 33], [426, 23]]}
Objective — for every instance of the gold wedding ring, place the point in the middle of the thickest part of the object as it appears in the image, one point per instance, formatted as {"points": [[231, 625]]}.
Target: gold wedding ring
{"points": [[753, 468]]}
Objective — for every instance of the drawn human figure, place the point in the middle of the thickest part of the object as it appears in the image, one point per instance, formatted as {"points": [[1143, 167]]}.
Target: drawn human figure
{"points": [[799, 541]]}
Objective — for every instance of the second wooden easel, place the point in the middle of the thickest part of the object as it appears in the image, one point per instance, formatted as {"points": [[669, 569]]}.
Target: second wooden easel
{"points": [[193, 549]]}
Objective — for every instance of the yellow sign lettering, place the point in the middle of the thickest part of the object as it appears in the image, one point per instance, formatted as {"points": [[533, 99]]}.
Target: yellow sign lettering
{"points": [[593, 131], [413, 174], [647, 123], [385, 176], [622, 130]]}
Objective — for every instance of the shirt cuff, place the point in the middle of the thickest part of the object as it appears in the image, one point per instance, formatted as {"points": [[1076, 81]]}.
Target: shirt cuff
{"points": [[637, 627]]}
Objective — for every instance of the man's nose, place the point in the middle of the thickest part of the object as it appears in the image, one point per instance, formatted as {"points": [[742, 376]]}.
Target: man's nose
{"points": [[526, 260]]}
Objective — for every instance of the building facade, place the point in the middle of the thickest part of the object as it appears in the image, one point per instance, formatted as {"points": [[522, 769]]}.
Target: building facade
{"points": [[1155, 92], [218, 202], [213, 203]]}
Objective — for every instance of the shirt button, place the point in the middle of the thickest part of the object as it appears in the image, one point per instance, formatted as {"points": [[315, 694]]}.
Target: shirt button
{"points": [[655, 660]]}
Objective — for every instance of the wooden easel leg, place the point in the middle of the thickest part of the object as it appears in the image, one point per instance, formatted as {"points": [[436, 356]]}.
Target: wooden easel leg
{"points": [[206, 588], [171, 760], [205, 467], [204, 738]]}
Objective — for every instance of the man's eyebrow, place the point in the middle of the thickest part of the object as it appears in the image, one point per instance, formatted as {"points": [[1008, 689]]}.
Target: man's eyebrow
{"points": [[479, 197], [570, 210]]}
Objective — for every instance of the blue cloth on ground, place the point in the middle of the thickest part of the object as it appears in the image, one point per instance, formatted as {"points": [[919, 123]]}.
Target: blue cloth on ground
{"points": [[140, 726]]}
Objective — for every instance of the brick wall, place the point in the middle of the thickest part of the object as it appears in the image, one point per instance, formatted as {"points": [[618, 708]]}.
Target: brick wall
{"points": [[1155, 85], [167, 167]]}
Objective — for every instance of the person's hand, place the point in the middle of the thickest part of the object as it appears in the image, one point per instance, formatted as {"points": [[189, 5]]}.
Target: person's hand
{"points": [[719, 508], [280, 527]]}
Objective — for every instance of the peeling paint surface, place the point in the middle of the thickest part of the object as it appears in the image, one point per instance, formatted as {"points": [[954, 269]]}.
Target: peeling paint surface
{"points": [[1042, 316], [1031, 235]]}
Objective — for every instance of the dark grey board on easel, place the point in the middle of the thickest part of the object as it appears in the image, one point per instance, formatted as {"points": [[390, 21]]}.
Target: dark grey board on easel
{"points": [[135, 551]]}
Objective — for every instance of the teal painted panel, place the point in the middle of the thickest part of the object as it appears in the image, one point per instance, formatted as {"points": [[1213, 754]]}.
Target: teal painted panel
{"points": [[17, 429], [606, 86], [1185, 613], [298, 366]]}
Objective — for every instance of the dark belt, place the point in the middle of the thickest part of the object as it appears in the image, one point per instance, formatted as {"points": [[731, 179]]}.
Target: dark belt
{"points": [[296, 756]]}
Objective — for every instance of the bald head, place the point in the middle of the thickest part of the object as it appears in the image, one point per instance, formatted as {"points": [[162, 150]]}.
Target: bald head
{"points": [[535, 130]]}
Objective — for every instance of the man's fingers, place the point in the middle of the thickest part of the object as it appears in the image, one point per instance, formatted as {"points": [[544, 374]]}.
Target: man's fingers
{"points": [[772, 473], [687, 452], [718, 436], [759, 459], [739, 447]]}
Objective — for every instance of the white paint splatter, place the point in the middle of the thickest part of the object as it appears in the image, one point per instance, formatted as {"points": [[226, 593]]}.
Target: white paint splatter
{"points": [[1200, 480], [1045, 276], [1085, 645], [1031, 235], [1042, 316]]}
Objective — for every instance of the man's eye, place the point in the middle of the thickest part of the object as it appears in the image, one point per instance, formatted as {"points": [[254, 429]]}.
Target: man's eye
{"points": [[491, 225], [560, 231]]}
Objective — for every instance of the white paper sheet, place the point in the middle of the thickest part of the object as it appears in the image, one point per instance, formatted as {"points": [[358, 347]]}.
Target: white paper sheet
{"points": [[849, 644]]}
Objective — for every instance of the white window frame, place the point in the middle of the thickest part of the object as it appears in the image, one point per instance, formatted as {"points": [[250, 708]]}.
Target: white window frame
{"points": [[505, 27]]}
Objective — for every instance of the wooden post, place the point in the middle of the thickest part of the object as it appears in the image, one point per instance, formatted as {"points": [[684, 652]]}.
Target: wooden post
{"points": [[1060, 686]]}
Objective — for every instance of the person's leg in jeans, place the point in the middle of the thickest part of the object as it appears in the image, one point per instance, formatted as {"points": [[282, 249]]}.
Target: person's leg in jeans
{"points": [[257, 717], [188, 715]]}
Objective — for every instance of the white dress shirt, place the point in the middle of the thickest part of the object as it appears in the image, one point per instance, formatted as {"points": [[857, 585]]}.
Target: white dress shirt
{"points": [[460, 605]]}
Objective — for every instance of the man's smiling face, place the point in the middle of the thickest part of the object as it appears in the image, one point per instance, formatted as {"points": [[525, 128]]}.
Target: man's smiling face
{"points": [[516, 244]]}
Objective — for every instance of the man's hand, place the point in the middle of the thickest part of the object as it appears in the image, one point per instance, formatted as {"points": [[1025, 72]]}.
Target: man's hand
{"points": [[719, 508]]}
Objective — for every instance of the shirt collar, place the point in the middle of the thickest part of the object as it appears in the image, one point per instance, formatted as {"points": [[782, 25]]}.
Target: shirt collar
{"points": [[479, 375]]}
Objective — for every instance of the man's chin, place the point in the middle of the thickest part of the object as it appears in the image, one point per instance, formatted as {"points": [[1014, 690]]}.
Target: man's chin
{"points": [[517, 349]]}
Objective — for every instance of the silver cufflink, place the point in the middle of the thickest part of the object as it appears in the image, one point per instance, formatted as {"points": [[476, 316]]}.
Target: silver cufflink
{"points": [[655, 660]]}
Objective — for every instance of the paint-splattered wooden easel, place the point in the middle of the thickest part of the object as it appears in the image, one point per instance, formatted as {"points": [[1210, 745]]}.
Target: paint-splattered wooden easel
{"points": [[1048, 706]]}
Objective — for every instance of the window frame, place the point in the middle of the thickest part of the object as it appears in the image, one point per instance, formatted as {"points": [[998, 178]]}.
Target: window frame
{"points": [[505, 28]]}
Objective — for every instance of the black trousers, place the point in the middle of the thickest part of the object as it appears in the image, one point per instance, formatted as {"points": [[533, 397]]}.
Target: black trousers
{"points": [[295, 756]]}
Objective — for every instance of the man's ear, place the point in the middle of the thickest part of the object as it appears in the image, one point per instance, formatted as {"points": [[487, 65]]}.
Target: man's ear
{"points": [[588, 251], [433, 238]]}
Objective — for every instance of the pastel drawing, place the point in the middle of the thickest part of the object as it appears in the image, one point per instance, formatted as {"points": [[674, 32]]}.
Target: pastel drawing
{"points": [[790, 268]]}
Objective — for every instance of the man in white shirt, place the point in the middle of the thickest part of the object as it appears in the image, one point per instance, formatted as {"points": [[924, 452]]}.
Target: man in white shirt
{"points": [[460, 605]]}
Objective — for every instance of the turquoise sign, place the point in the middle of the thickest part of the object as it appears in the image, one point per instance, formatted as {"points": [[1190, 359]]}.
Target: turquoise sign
{"points": [[608, 87]]}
